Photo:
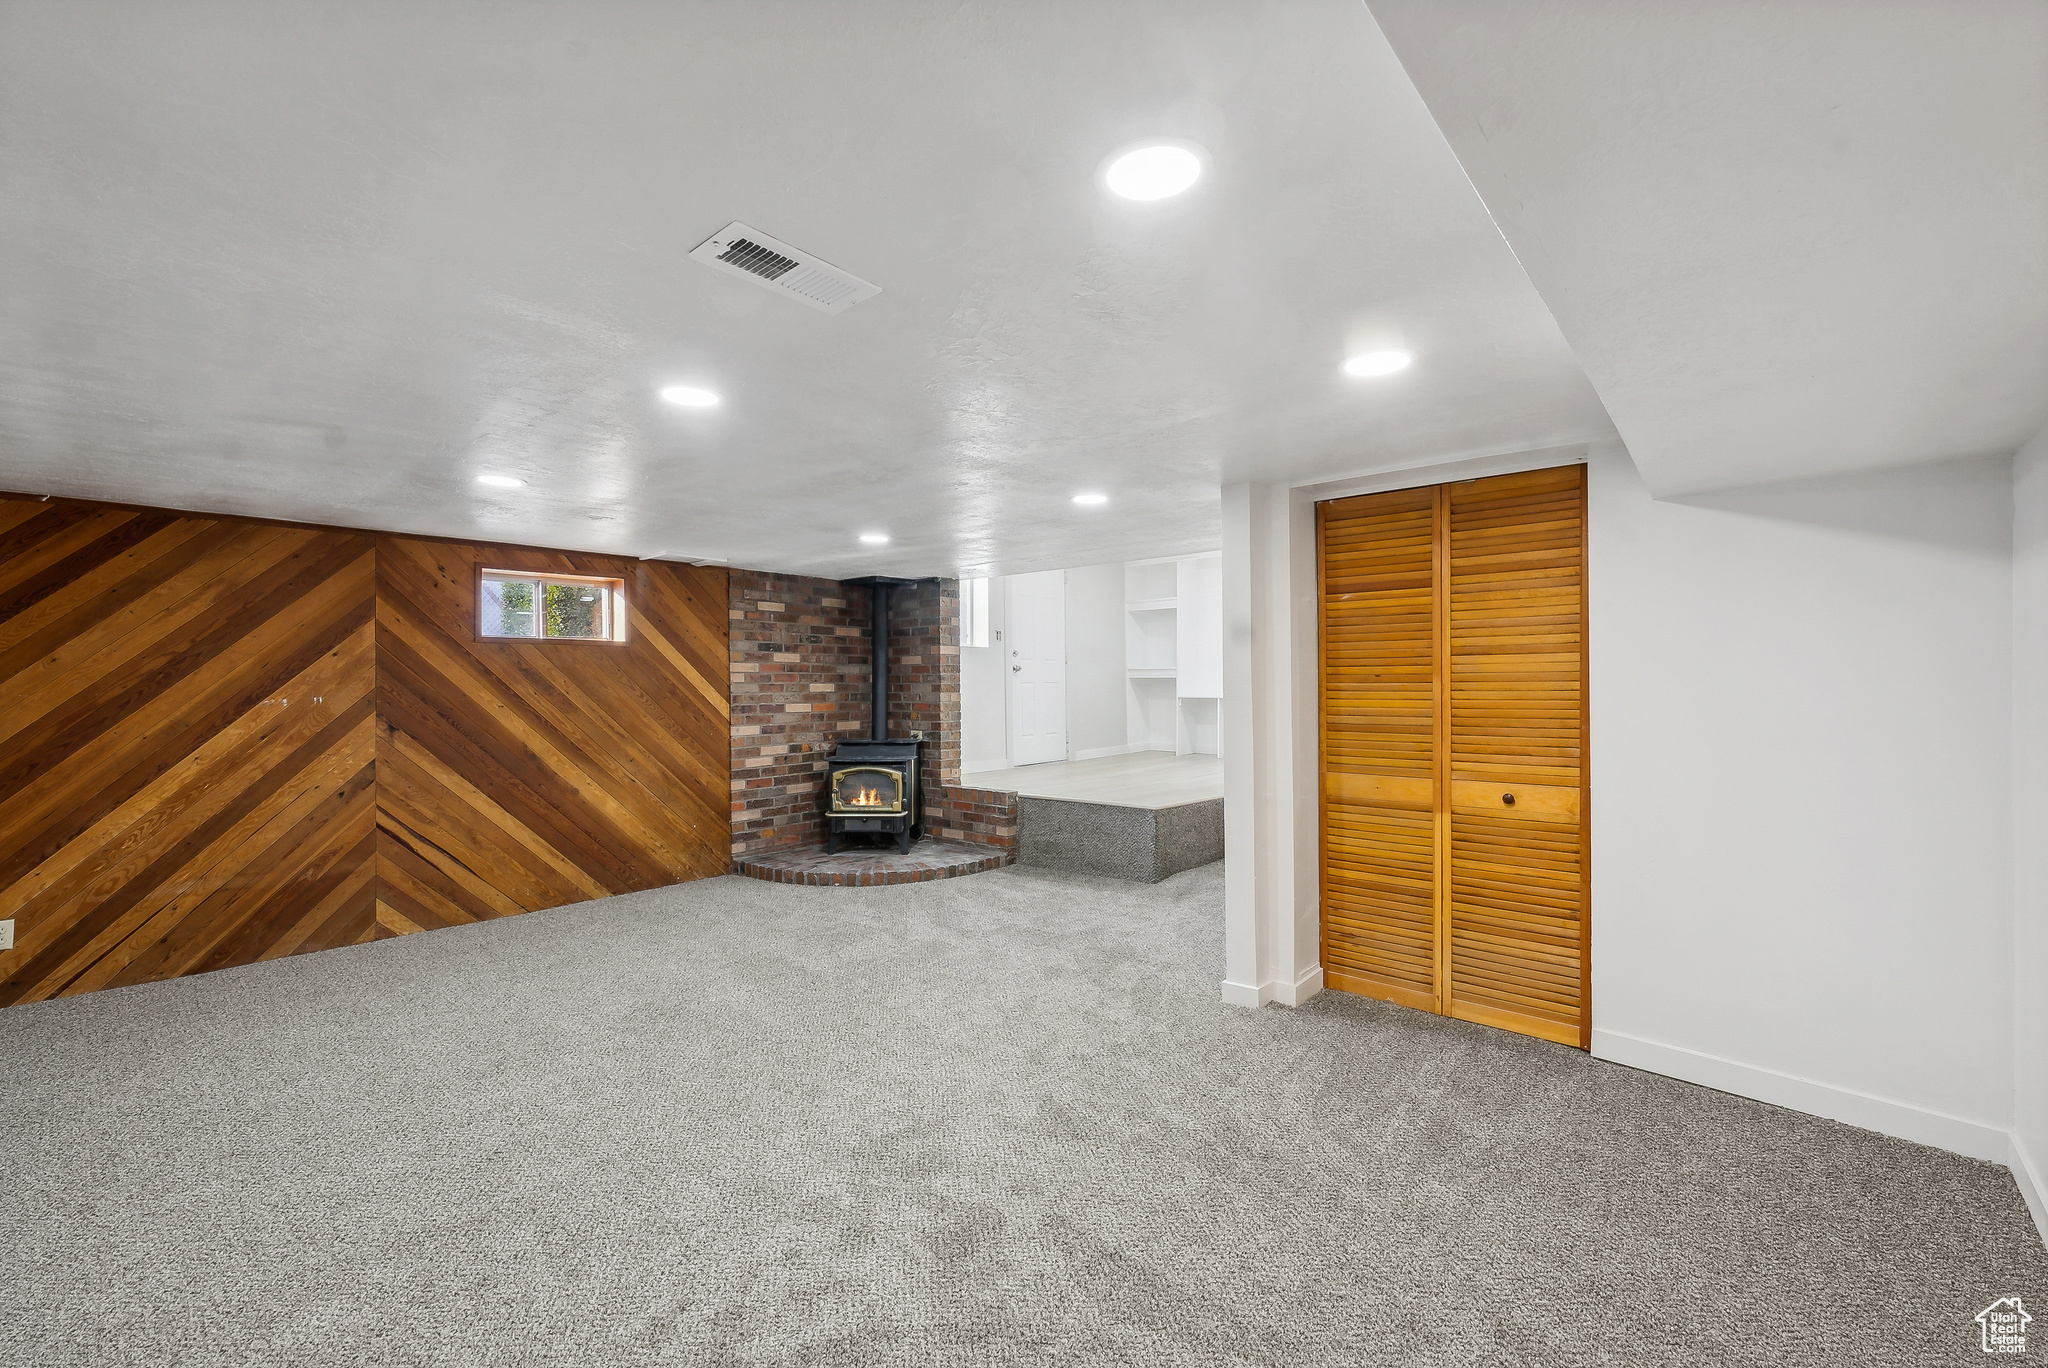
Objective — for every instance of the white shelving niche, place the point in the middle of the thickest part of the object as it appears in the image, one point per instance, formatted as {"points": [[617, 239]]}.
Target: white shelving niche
{"points": [[1173, 653]]}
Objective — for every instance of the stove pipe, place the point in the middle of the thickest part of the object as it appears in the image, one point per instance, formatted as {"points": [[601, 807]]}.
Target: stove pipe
{"points": [[879, 635]]}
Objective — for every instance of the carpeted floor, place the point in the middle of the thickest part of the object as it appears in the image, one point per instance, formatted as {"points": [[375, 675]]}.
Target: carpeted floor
{"points": [[995, 1120]]}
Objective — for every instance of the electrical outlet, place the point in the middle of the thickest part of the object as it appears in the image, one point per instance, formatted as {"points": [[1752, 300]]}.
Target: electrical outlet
{"points": [[7, 934]]}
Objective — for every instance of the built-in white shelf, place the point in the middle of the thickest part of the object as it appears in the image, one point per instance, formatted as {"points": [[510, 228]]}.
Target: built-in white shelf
{"points": [[1173, 657]]}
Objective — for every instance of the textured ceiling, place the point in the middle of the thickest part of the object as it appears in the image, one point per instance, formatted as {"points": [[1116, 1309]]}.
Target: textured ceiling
{"points": [[328, 262], [1784, 239]]}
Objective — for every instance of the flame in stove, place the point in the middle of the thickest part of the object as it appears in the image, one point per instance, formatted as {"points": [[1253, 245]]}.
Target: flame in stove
{"points": [[867, 797]]}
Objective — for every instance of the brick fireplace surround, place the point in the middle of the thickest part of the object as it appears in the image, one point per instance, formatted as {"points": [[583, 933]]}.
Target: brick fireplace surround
{"points": [[800, 682]]}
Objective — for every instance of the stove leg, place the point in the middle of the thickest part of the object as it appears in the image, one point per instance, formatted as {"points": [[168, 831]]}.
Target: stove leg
{"points": [[832, 840], [903, 841]]}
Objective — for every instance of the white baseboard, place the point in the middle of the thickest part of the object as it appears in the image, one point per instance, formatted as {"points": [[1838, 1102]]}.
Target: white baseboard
{"points": [[1921, 1125], [2032, 1184], [1246, 995], [986, 767], [1104, 751], [1274, 990], [1302, 989]]}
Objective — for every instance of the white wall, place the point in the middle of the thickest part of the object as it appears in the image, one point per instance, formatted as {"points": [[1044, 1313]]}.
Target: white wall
{"points": [[984, 726], [2030, 824], [1801, 795], [1801, 861], [1097, 722]]}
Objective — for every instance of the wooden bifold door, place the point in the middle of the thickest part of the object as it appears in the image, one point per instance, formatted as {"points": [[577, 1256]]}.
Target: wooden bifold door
{"points": [[1454, 798]]}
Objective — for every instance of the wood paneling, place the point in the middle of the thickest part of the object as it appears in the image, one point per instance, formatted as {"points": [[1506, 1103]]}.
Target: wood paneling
{"points": [[186, 715], [225, 741], [519, 775], [1453, 732]]}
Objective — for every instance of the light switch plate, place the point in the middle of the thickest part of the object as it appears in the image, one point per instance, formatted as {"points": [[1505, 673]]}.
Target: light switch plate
{"points": [[7, 934]]}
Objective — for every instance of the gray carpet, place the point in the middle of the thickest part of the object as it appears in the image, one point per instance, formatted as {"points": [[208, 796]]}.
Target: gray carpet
{"points": [[995, 1120]]}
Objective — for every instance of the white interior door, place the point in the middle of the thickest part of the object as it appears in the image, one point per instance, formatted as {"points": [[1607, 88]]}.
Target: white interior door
{"points": [[1036, 635]]}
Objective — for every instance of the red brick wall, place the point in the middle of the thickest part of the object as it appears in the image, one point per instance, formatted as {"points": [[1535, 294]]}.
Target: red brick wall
{"points": [[924, 683], [981, 816], [800, 682]]}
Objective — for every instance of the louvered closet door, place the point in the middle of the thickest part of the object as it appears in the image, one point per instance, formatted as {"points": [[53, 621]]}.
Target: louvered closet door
{"points": [[1379, 563], [1452, 630], [1517, 856]]}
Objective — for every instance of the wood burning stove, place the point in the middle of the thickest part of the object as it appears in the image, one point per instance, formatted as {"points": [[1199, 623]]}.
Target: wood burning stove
{"points": [[871, 786]]}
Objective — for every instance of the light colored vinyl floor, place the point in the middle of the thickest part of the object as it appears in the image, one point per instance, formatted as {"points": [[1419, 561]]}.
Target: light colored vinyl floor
{"points": [[1148, 779]]}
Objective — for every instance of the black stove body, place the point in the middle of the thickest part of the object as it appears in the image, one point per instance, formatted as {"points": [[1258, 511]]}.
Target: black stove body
{"points": [[871, 786]]}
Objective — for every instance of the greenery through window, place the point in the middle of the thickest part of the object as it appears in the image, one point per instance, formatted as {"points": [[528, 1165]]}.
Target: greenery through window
{"points": [[550, 607]]}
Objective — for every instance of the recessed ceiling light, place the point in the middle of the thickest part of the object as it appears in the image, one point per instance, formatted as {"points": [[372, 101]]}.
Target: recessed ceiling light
{"points": [[1157, 172], [1378, 362], [500, 481], [874, 539], [1091, 499], [689, 396]]}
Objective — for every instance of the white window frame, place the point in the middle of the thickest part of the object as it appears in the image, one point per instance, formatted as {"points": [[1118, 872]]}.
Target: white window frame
{"points": [[613, 588], [974, 611]]}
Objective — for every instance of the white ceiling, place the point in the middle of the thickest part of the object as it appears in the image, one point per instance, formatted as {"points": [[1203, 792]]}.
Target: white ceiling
{"points": [[1785, 239], [329, 261]]}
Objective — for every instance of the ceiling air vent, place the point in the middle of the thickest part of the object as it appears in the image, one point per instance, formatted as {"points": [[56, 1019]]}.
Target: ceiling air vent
{"points": [[743, 251]]}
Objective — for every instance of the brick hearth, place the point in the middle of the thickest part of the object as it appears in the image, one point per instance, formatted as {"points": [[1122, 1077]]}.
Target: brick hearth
{"points": [[926, 861]]}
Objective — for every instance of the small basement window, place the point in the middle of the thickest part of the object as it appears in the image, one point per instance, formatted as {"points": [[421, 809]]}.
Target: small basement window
{"points": [[974, 612], [522, 605]]}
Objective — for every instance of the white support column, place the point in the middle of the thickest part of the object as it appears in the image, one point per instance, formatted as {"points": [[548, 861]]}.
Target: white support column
{"points": [[1247, 979], [1270, 876]]}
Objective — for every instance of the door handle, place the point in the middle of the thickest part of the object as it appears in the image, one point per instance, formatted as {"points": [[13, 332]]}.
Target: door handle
{"points": [[1014, 669]]}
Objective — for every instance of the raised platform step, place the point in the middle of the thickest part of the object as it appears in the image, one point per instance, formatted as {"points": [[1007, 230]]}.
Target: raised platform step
{"points": [[927, 860], [1147, 779], [1141, 844]]}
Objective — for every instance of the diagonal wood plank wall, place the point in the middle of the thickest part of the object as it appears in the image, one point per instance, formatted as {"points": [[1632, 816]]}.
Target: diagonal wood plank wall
{"points": [[225, 741], [514, 776]]}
